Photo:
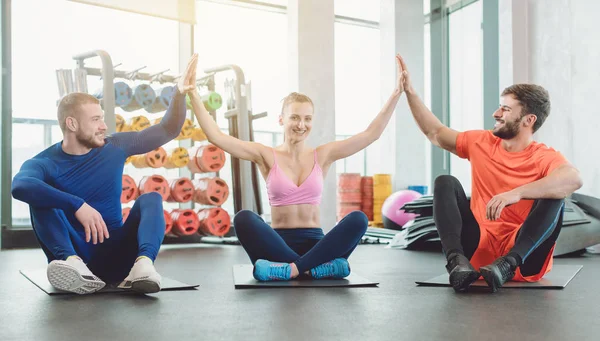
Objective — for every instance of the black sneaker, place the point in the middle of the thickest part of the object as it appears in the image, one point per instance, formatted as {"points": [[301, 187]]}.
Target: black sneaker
{"points": [[462, 273], [498, 273]]}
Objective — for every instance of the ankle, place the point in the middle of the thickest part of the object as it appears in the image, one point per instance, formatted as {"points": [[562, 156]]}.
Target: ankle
{"points": [[453, 253], [295, 271], [141, 257], [514, 259]]}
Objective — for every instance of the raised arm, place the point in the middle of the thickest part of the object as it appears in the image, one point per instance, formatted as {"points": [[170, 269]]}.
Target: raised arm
{"points": [[336, 150], [171, 123], [245, 150], [30, 185], [439, 134]]}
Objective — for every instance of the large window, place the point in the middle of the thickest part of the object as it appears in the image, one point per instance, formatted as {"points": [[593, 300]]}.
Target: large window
{"points": [[260, 50], [45, 36], [357, 89], [257, 43], [427, 90], [466, 79], [359, 9]]}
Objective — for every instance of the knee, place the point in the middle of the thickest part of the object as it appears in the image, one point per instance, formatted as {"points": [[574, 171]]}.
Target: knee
{"points": [[444, 182], [358, 221], [243, 219], [550, 205], [151, 198], [47, 214]]}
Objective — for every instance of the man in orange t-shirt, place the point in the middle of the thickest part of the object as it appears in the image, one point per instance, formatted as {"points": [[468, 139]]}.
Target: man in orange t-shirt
{"points": [[509, 228]]}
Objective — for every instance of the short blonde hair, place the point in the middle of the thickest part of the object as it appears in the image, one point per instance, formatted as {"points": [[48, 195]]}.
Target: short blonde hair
{"points": [[295, 97], [70, 104]]}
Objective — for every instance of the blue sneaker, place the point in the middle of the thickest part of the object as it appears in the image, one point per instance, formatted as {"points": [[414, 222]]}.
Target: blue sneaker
{"points": [[272, 271], [337, 269]]}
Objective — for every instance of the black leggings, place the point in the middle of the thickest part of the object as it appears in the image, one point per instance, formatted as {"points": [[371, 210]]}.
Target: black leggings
{"points": [[459, 231]]}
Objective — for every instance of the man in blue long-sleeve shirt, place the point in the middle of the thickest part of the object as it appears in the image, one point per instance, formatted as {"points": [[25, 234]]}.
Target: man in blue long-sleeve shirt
{"points": [[73, 189]]}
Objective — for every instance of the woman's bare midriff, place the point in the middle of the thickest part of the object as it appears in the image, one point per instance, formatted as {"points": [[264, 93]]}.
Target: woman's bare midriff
{"points": [[295, 216]]}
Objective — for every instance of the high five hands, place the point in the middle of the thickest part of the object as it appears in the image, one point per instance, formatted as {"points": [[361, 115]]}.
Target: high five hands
{"points": [[187, 81], [404, 83]]}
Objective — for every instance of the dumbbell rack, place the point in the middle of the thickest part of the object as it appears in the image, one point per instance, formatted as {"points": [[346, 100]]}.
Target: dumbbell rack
{"points": [[243, 174]]}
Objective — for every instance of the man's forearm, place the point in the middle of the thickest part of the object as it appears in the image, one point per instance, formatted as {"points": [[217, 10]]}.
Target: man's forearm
{"points": [[174, 116], [426, 120], [558, 185], [37, 193]]}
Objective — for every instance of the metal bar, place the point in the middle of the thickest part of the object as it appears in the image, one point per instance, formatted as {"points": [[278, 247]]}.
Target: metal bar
{"points": [[162, 78], [281, 9], [448, 10], [5, 118], [47, 134], [21, 120], [460, 5], [231, 113], [108, 88], [365, 161], [186, 49], [243, 123], [491, 61], [261, 115], [356, 22], [440, 162], [256, 5]]}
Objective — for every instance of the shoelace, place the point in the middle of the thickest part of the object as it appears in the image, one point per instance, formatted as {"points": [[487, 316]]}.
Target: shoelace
{"points": [[505, 269], [278, 271], [324, 270]]}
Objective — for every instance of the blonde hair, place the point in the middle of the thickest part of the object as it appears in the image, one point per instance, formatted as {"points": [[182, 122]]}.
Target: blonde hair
{"points": [[70, 104], [295, 97]]}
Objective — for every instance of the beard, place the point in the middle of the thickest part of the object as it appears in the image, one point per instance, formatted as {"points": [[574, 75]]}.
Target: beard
{"points": [[90, 141], [509, 130]]}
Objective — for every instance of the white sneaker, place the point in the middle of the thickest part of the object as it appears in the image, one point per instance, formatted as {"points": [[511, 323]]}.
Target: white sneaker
{"points": [[142, 278], [74, 276]]}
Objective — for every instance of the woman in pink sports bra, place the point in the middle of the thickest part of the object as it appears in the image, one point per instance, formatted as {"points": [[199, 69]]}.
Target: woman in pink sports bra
{"points": [[294, 244]]}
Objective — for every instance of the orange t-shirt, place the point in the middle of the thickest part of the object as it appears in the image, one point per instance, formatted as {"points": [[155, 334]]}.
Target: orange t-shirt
{"points": [[495, 170]]}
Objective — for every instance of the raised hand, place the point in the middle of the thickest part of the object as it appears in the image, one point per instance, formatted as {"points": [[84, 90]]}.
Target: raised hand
{"points": [[404, 83], [187, 81], [93, 224]]}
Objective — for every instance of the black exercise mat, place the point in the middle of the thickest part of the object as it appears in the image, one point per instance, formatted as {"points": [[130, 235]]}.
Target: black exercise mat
{"points": [[40, 279], [243, 279], [558, 278]]}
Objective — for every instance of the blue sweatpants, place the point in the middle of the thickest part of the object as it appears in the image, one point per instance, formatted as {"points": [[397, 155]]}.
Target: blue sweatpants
{"points": [[306, 247], [141, 235]]}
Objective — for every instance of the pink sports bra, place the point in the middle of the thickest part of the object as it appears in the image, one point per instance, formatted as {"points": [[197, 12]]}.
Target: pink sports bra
{"points": [[283, 191]]}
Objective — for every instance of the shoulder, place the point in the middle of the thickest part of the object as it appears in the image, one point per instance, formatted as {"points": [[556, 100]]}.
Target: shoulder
{"points": [[467, 138], [541, 150], [117, 140], [47, 157], [42, 163], [478, 135]]}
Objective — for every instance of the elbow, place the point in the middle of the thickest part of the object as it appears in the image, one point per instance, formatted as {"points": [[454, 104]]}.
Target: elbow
{"points": [[18, 190], [171, 134], [577, 182], [373, 133]]}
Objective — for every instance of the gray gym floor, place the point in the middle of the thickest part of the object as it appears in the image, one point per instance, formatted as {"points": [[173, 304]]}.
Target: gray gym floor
{"points": [[396, 310]]}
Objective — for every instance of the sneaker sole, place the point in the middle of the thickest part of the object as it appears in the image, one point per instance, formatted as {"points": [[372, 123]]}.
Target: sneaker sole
{"points": [[67, 278], [490, 279], [462, 280], [145, 287]]}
